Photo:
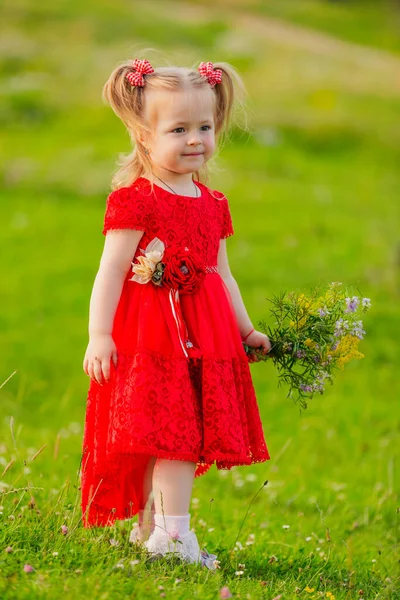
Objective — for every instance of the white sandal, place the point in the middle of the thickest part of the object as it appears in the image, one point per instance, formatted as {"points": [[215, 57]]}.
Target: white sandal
{"points": [[185, 546]]}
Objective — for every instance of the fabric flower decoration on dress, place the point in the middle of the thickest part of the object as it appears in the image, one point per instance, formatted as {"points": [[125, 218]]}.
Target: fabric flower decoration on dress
{"points": [[150, 265], [139, 68], [175, 267], [207, 70], [178, 269]]}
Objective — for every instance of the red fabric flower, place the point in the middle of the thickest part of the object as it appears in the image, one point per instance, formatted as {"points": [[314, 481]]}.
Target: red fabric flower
{"points": [[184, 270]]}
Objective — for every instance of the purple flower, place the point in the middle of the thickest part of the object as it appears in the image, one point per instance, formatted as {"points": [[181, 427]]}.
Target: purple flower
{"points": [[306, 388], [301, 353], [64, 529], [366, 304], [225, 593], [323, 312], [208, 560], [358, 330], [352, 304], [317, 358]]}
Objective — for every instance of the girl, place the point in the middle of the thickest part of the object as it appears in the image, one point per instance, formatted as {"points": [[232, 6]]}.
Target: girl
{"points": [[170, 391]]}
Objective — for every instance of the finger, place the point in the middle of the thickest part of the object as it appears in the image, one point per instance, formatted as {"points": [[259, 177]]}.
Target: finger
{"points": [[115, 358], [85, 366], [90, 370], [97, 372], [105, 367]]}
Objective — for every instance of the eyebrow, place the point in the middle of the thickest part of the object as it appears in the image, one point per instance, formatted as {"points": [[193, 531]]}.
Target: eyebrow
{"points": [[177, 123]]}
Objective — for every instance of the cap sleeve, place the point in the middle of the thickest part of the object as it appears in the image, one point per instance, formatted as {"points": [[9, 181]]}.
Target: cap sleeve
{"points": [[226, 219], [126, 208]]}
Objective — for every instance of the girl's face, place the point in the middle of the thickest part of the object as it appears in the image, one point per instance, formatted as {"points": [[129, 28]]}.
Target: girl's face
{"points": [[182, 139]]}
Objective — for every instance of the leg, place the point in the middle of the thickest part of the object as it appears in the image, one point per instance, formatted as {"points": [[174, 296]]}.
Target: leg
{"points": [[148, 483], [172, 486], [145, 524], [172, 489]]}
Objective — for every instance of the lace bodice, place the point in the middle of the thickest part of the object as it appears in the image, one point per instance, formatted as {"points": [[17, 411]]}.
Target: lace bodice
{"points": [[198, 223]]}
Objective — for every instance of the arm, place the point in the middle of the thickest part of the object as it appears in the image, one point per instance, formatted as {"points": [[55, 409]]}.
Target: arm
{"points": [[256, 338], [243, 319], [119, 249]]}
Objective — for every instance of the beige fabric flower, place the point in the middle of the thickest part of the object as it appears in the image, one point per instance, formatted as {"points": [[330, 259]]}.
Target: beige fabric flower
{"points": [[143, 270]]}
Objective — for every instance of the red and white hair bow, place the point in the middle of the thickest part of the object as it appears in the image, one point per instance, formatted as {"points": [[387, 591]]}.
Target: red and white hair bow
{"points": [[139, 68], [208, 71]]}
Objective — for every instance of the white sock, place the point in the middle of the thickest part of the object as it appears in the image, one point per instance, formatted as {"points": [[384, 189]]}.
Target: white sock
{"points": [[174, 525]]}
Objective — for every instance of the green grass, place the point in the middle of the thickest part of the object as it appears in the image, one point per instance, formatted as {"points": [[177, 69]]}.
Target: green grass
{"points": [[313, 188]]}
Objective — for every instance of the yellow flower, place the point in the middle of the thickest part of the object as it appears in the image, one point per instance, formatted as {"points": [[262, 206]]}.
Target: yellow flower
{"points": [[308, 589], [347, 350], [310, 344]]}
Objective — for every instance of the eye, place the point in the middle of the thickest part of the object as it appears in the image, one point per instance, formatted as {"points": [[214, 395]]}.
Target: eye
{"points": [[208, 127], [177, 130]]}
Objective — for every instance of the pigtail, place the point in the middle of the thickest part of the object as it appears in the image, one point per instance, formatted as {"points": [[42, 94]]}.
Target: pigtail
{"points": [[230, 101], [126, 101]]}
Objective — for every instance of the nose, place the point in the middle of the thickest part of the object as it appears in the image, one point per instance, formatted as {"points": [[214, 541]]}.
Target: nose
{"points": [[194, 141]]}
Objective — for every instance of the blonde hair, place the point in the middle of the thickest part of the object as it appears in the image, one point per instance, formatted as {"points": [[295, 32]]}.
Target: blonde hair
{"points": [[127, 102]]}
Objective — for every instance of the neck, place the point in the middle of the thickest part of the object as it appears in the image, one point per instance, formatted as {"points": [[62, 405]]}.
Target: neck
{"points": [[180, 182]]}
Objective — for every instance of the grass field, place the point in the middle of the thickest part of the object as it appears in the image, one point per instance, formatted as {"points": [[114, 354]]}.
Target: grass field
{"points": [[313, 186]]}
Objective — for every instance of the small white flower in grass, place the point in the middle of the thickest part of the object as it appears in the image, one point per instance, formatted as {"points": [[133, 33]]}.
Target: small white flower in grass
{"points": [[285, 526], [216, 564], [239, 572], [373, 560], [239, 545], [134, 562], [55, 553], [114, 542], [119, 566], [239, 483], [241, 565], [160, 587], [195, 501], [211, 529], [8, 549], [308, 538], [202, 523], [317, 549], [273, 559], [251, 477]]}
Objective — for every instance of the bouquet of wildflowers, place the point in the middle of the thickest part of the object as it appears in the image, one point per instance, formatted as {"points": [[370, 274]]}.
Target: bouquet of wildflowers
{"points": [[312, 336]]}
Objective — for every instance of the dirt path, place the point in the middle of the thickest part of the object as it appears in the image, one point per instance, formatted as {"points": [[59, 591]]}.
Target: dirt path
{"points": [[371, 70]]}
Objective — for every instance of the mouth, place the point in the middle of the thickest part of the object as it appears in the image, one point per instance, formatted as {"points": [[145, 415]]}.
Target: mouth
{"points": [[194, 154]]}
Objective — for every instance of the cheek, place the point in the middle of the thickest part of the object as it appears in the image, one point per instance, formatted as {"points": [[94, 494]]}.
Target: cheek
{"points": [[210, 143]]}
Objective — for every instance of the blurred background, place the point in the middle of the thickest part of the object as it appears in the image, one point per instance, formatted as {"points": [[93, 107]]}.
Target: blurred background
{"points": [[313, 186]]}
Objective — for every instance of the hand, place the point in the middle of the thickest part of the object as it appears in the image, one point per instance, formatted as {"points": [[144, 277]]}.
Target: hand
{"points": [[96, 364], [260, 341]]}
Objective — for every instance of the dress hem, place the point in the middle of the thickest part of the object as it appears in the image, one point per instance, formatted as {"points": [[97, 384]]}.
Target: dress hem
{"points": [[209, 459]]}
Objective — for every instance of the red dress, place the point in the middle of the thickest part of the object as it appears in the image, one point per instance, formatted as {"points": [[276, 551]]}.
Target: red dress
{"points": [[160, 402]]}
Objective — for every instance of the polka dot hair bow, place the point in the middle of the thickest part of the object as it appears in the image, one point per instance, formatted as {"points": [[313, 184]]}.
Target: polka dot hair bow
{"points": [[139, 68], [208, 71]]}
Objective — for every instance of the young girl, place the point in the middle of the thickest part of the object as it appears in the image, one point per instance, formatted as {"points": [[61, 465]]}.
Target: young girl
{"points": [[171, 390]]}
